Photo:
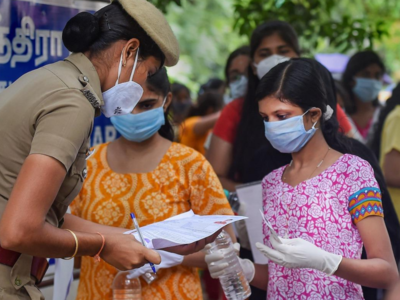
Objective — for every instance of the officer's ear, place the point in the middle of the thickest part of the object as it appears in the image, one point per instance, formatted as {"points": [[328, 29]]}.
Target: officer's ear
{"points": [[130, 50], [168, 101]]}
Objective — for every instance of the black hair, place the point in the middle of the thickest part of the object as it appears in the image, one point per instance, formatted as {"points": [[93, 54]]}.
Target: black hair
{"points": [[159, 84], [391, 103], [342, 91], [97, 32], [300, 82], [178, 87], [244, 50], [358, 62], [251, 129], [206, 101], [213, 84]]}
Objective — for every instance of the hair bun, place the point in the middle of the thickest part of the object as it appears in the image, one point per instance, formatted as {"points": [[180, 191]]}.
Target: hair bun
{"points": [[81, 32]]}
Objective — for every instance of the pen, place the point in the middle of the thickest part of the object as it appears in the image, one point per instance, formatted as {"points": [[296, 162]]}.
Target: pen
{"points": [[141, 238]]}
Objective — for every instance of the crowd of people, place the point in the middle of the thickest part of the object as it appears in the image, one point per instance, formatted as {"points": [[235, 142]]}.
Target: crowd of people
{"points": [[327, 154]]}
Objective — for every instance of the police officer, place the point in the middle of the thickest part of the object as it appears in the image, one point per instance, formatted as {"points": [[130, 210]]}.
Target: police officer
{"points": [[46, 118]]}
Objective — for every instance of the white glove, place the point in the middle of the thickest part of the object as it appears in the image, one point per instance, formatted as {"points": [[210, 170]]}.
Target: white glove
{"points": [[217, 264], [298, 253], [168, 260]]}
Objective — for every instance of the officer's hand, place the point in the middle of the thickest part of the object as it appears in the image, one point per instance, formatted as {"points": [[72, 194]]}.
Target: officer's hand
{"points": [[124, 252]]}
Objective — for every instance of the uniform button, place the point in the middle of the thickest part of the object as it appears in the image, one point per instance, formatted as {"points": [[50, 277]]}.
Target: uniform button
{"points": [[84, 173], [17, 281], [85, 78]]}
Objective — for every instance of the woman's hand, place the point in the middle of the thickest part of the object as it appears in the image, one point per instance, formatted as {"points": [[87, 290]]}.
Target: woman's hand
{"points": [[125, 253], [298, 253]]}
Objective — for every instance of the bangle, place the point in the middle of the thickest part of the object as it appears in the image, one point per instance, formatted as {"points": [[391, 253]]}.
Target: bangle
{"points": [[97, 256], [76, 245]]}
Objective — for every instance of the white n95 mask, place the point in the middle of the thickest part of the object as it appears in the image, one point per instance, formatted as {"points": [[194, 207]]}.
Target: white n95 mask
{"points": [[264, 66], [122, 98]]}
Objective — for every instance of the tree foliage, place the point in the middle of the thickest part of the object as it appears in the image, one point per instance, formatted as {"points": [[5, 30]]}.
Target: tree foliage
{"points": [[208, 30], [314, 21]]}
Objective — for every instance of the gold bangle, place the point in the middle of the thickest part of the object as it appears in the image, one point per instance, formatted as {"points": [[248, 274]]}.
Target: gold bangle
{"points": [[76, 245]]}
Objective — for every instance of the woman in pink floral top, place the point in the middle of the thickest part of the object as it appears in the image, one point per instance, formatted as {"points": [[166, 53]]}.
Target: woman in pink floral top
{"points": [[317, 210], [322, 208]]}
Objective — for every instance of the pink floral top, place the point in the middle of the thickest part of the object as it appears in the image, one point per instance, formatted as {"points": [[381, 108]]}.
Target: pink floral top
{"points": [[323, 210]]}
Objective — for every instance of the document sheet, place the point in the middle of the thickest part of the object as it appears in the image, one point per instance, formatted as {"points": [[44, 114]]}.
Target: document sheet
{"points": [[251, 195], [182, 229]]}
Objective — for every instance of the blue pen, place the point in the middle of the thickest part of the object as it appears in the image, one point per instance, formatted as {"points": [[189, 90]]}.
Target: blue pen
{"points": [[141, 238]]}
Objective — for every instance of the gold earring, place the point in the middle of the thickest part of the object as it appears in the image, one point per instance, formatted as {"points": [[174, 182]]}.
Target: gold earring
{"points": [[124, 64]]}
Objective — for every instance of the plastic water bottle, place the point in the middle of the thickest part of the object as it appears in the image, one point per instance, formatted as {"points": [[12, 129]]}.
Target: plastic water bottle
{"points": [[234, 283], [127, 289], [149, 277]]}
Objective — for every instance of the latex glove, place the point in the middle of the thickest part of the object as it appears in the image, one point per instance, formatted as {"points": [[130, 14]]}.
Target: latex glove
{"points": [[168, 260], [217, 264], [298, 253]]}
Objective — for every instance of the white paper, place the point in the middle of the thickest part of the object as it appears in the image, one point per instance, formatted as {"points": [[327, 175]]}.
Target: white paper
{"points": [[251, 195], [182, 229]]}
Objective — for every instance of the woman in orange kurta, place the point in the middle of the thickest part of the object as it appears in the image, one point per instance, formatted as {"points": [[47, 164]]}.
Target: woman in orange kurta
{"points": [[200, 120], [156, 179]]}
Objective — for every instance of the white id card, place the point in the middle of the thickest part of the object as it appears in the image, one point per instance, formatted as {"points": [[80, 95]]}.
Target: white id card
{"points": [[271, 230]]}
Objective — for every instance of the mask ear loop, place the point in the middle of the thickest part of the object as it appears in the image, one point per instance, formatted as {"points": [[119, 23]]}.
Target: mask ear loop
{"points": [[134, 66], [313, 127], [119, 67], [165, 99]]}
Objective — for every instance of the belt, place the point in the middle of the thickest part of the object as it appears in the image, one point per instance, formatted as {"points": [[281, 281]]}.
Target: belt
{"points": [[38, 268]]}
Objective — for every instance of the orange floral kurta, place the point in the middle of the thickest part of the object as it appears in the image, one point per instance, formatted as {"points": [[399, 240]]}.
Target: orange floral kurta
{"points": [[182, 181]]}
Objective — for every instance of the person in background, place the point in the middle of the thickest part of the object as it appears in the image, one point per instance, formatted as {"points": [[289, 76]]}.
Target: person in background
{"points": [[343, 97], [386, 145], [316, 203], [271, 43], [362, 80], [146, 173], [236, 73], [200, 120], [181, 102], [215, 85]]}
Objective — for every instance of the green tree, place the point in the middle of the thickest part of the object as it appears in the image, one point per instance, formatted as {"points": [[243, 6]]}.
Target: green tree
{"points": [[206, 38], [208, 30], [342, 25]]}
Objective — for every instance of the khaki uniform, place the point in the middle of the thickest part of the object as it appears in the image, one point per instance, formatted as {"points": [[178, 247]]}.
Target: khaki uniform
{"points": [[48, 111]]}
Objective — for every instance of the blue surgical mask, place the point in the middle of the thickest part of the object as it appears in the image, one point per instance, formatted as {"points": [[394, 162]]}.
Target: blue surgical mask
{"points": [[140, 127], [238, 87], [366, 89], [288, 136]]}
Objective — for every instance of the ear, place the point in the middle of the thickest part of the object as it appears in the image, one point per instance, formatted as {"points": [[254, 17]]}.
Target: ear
{"points": [[315, 114], [168, 101], [130, 50]]}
